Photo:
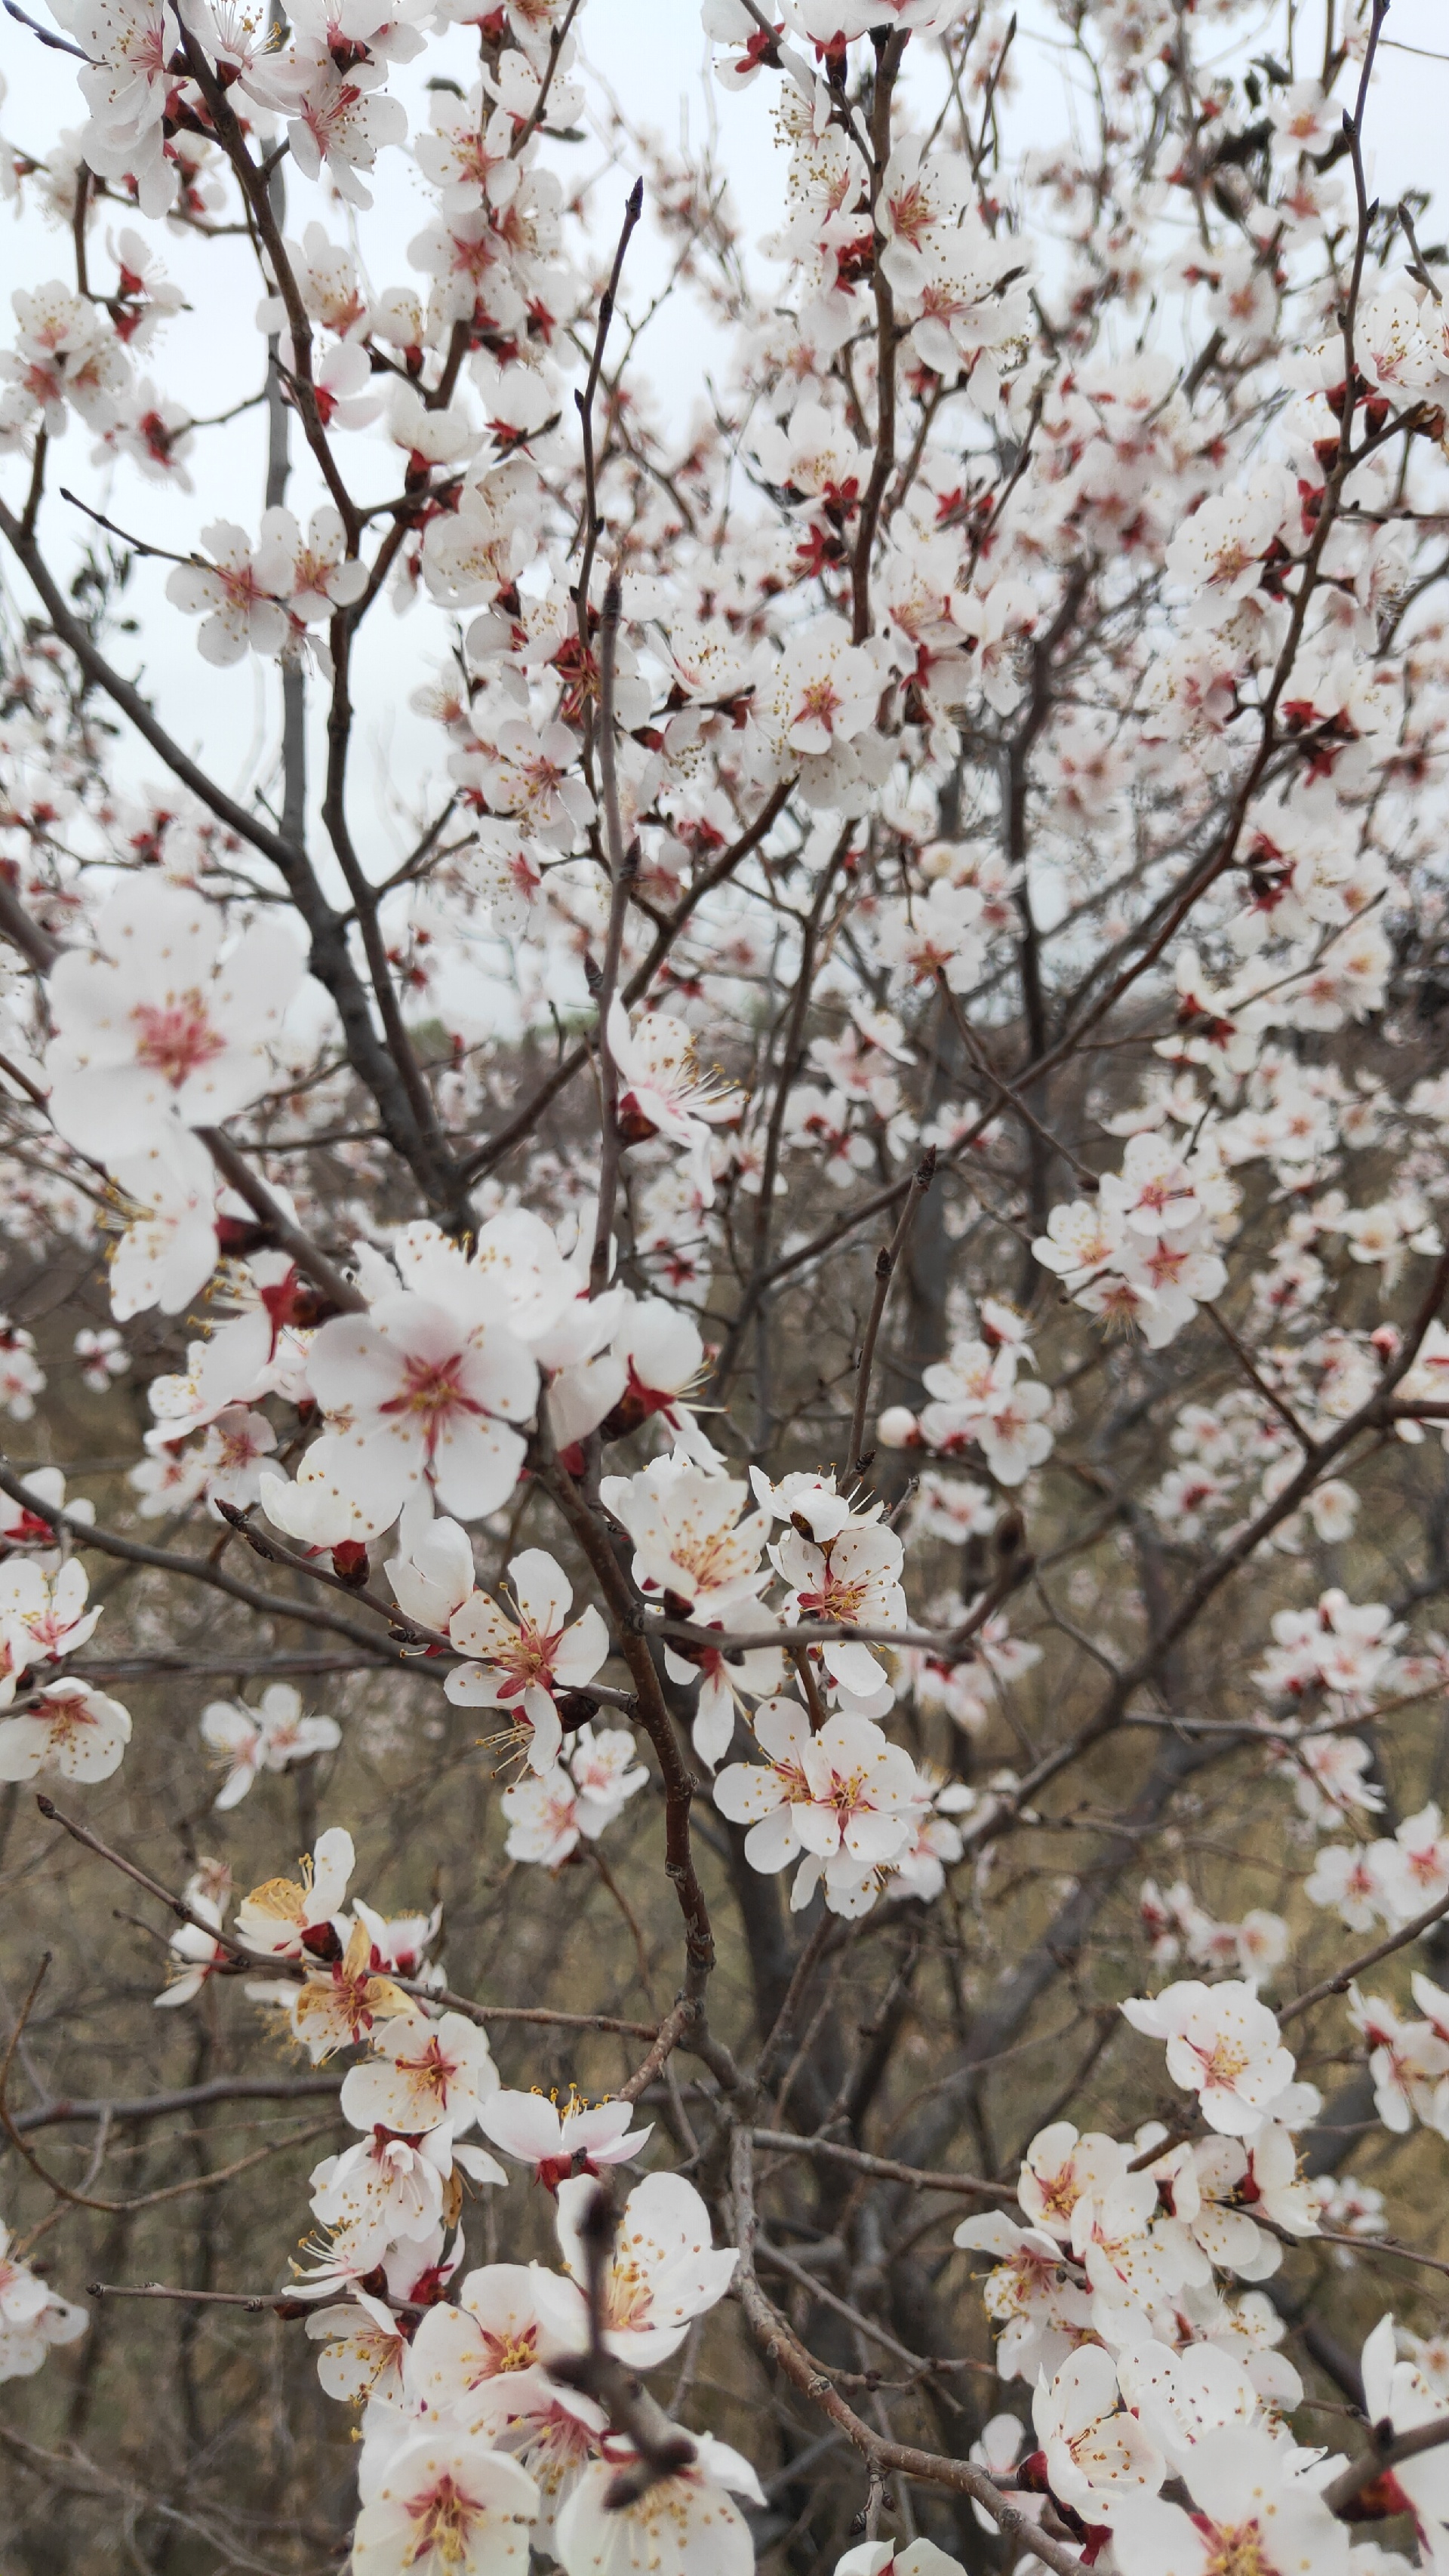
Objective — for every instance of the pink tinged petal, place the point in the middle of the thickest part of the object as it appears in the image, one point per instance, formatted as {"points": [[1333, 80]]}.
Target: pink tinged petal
{"points": [[481, 1628], [818, 1829], [220, 643], [192, 589], [502, 1377], [235, 1358], [1144, 2015], [472, 1686], [775, 1841], [350, 1363], [871, 1838], [111, 1109], [807, 1880], [542, 1590], [383, 1470], [604, 2129], [547, 1737], [90, 1001], [522, 2124], [24, 1744], [747, 1791], [333, 1860], [714, 1718], [854, 1667], [782, 1730], [97, 1751], [583, 1648], [476, 1466]]}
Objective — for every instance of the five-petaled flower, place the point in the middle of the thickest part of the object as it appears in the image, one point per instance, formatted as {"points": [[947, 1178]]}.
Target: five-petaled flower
{"points": [[158, 1028], [421, 2073], [1222, 2044], [520, 1663], [424, 1397]]}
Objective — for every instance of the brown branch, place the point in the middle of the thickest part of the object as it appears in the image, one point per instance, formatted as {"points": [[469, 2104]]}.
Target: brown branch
{"points": [[1008, 1092], [521, 1124], [1285, 1412], [330, 959], [1339, 1984], [425, 1148], [947, 1644], [65, 2111], [237, 818], [35, 945], [266, 1963], [257, 2302], [1221, 857], [253, 183], [654, 1717], [44, 35], [273, 1551], [779, 2344], [169, 2191], [633, 209], [1186, 1612], [234, 1168], [556, 40], [890, 52], [197, 1569], [134, 545], [621, 875], [1384, 2456], [810, 1956], [36, 492], [662, 2449], [885, 2168], [792, 1057], [672, 2030]]}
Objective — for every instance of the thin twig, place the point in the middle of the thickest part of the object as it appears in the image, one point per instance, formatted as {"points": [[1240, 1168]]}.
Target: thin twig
{"points": [[558, 37], [64, 2111], [1339, 1984], [45, 36], [622, 868], [1285, 1412], [780, 2344], [886, 1263], [197, 1569], [267, 1963], [234, 1168], [884, 2168], [633, 209], [661, 2449], [1362, 2472]]}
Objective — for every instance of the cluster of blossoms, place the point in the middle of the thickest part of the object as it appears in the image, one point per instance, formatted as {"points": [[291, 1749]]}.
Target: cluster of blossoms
{"points": [[1177, 1926], [1123, 2242], [58, 1725], [32, 2317], [1238, 1455], [1147, 2371], [22, 1378], [476, 2439], [273, 1736], [1140, 1253], [551, 1813], [978, 1400]]}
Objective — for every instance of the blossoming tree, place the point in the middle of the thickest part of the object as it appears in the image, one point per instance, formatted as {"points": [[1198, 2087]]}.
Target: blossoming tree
{"points": [[842, 1256]]}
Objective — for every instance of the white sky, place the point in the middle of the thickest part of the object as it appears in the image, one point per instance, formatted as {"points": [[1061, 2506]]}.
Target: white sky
{"points": [[651, 54]]}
